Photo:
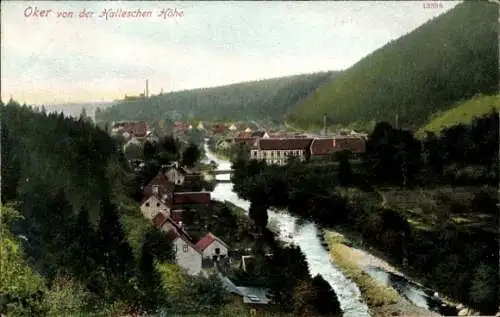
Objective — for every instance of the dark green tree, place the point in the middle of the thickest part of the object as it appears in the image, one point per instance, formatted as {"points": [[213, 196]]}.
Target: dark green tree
{"points": [[345, 172], [191, 155], [150, 149], [326, 302]]}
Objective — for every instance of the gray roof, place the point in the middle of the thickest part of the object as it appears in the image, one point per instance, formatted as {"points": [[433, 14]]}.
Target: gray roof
{"points": [[258, 294], [229, 285], [261, 295]]}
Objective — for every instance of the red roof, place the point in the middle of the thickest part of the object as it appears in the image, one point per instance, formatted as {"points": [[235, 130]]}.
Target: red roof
{"points": [[322, 146], [138, 129], [247, 141], [325, 146], [180, 125], [207, 240], [284, 144], [352, 144], [164, 186], [244, 135], [159, 220], [218, 128], [192, 198], [179, 233]]}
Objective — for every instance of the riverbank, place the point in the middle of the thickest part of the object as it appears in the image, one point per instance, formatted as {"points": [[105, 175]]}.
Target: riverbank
{"points": [[381, 300], [304, 236]]}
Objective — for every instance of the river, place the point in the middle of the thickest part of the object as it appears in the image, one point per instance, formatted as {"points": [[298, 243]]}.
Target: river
{"points": [[305, 236]]}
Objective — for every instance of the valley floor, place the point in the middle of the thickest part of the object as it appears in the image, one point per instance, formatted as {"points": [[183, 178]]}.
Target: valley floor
{"points": [[382, 300]]}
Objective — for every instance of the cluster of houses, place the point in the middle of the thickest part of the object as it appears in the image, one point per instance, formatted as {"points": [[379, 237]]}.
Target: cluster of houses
{"points": [[133, 132], [164, 206], [275, 148]]}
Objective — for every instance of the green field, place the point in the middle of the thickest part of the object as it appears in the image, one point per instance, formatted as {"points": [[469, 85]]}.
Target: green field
{"points": [[463, 112]]}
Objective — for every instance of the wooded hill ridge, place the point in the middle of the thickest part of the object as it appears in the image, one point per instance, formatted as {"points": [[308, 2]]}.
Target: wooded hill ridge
{"points": [[261, 99], [450, 58]]}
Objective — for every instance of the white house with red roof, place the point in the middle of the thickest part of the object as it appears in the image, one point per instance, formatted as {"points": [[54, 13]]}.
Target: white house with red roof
{"points": [[186, 254], [212, 247]]}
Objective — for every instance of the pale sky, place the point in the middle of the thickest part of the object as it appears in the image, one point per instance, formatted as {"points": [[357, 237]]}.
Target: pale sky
{"points": [[56, 60]]}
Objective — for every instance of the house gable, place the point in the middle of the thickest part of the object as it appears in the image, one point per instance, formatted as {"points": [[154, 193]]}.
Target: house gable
{"points": [[210, 244], [152, 205], [187, 256]]}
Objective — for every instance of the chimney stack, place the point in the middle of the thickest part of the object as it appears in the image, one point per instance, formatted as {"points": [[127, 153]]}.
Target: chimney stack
{"points": [[147, 89], [324, 124]]}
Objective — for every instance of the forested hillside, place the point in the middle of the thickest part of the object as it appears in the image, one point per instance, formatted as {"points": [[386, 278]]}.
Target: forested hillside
{"points": [[450, 58], [72, 241], [82, 239], [261, 99]]}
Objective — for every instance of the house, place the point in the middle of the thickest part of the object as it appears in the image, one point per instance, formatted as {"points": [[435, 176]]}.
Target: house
{"points": [[232, 127], [175, 174], [186, 254], [192, 198], [159, 185], [354, 144], [200, 126], [246, 141], [166, 224], [325, 146], [218, 128], [192, 178], [152, 137], [179, 126], [257, 299], [225, 143], [277, 150], [133, 129], [212, 247], [259, 134], [152, 205]]}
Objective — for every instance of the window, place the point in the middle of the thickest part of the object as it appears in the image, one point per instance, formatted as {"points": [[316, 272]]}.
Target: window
{"points": [[185, 248], [217, 250], [264, 154], [157, 204], [272, 154], [175, 248], [147, 204]]}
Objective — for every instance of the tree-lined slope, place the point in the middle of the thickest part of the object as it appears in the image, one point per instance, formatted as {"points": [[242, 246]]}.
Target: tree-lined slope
{"points": [[450, 58], [269, 98]]}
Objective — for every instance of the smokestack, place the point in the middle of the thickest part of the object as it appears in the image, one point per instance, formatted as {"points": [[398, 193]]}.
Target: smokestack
{"points": [[147, 89], [324, 124]]}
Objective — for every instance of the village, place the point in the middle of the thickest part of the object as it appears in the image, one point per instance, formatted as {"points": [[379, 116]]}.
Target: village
{"points": [[271, 145], [167, 199]]}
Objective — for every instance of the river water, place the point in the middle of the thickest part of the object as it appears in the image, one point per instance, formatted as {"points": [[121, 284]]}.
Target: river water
{"points": [[303, 234]]}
